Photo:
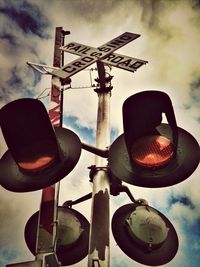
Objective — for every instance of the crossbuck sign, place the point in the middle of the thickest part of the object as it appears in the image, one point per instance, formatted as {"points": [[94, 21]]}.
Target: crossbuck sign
{"points": [[89, 55]]}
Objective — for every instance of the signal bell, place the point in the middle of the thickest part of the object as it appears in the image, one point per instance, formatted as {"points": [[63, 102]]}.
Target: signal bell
{"points": [[37, 155], [144, 234], [151, 153]]}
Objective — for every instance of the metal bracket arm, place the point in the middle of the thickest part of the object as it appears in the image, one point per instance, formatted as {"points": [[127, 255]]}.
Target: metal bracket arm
{"points": [[97, 151], [116, 188], [69, 203]]}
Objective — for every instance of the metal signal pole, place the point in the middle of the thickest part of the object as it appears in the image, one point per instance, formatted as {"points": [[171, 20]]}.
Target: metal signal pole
{"points": [[99, 232]]}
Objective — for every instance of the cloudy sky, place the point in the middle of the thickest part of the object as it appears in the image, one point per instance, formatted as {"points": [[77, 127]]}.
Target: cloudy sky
{"points": [[170, 38]]}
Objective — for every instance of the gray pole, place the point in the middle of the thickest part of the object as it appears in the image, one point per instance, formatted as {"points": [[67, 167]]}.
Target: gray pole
{"points": [[99, 251]]}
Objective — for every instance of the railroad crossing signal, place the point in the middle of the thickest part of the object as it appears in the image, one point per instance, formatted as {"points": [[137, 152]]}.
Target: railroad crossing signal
{"points": [[150, 153], [37, 155], [89, 55], [165, 160]]}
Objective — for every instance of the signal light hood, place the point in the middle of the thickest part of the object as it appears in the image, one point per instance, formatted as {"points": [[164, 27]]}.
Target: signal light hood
{"points": [[37, 155], [177, 170]]}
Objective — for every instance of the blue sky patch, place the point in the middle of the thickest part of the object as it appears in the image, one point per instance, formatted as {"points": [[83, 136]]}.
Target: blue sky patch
{"points": [[192, 250], [114, 133], [6, 256], [182, 199], [83, 132]]}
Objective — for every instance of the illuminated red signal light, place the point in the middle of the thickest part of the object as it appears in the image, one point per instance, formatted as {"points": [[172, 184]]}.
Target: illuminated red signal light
{"points": [[37, 157], [144, 155], [37, 165], [152, 151]]}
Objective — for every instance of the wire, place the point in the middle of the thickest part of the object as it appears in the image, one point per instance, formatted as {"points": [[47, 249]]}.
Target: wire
{"points": [[40, 95]]}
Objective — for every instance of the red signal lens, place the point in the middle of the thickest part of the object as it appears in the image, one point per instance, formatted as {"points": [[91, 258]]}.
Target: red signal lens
{"points": [[152, 151], [37, 165], [37, 157]]}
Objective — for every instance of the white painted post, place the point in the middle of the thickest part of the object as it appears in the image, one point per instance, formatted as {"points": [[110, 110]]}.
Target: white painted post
{"points": [[99, 233]]}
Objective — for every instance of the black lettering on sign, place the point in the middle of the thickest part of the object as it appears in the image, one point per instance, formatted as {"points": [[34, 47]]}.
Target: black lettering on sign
{"points": [[136, 65], [109, 57], [68, 46], [114, 58], [95, 54], [115, 43], [87, 59], [76, 48], [104, 49], [69, 69], [119, 41], [117, 59], [126, 62], [84, 50], [78, 64], [125, 37]]}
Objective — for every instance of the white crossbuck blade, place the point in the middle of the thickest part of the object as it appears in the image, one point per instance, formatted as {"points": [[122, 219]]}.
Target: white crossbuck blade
{"points": [[113, 59], [104, 52]]}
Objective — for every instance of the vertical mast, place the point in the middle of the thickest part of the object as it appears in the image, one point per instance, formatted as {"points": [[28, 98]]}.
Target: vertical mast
{"points": [[99, 232]]}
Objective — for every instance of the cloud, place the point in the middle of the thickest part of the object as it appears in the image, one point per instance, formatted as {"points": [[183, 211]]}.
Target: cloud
{"points": [[195, 88], [87, 9], [22, 37], [25, 16], [15, 210]]}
